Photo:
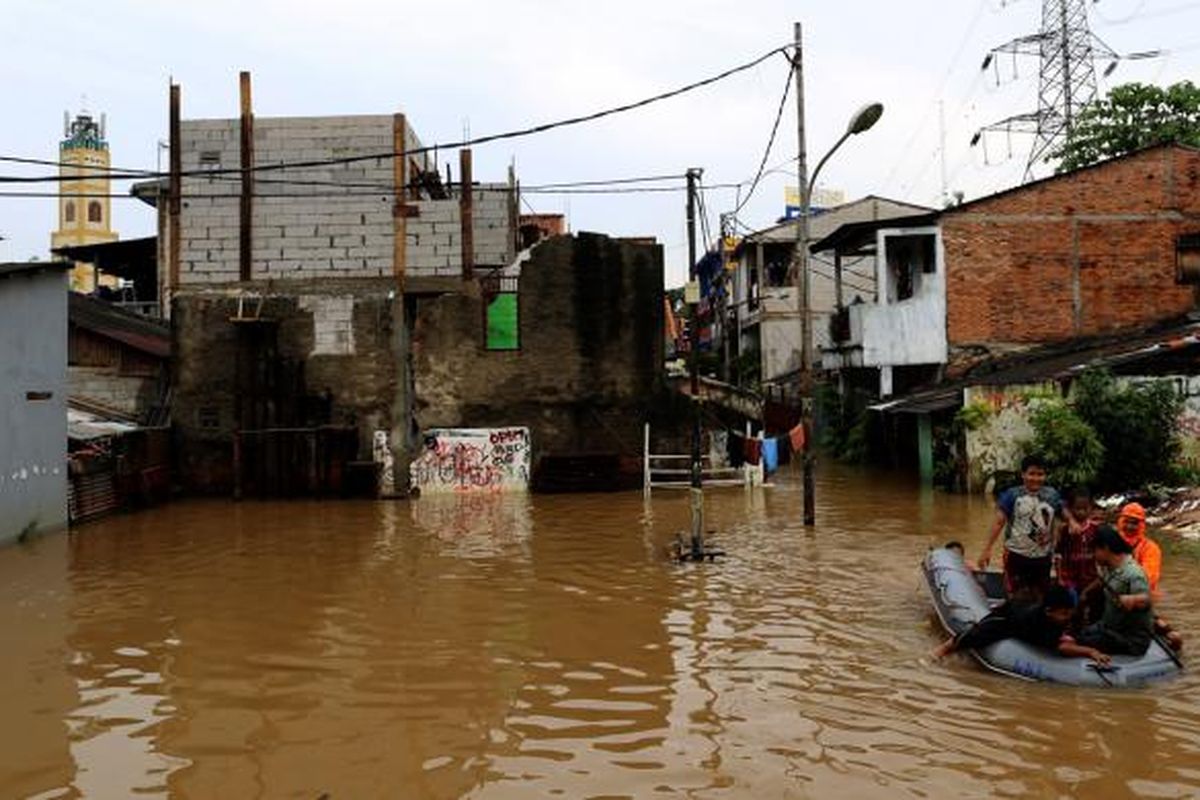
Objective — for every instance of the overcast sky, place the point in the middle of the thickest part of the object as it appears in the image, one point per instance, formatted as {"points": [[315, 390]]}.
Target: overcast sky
{"points": [[501, 64]]}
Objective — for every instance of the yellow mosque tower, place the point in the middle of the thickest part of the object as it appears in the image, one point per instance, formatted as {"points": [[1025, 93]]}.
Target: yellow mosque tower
{"points": [[84, 208]]}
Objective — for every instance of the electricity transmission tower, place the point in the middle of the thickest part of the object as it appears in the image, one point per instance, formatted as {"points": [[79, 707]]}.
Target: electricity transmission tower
{"points": [[1068, 52]]}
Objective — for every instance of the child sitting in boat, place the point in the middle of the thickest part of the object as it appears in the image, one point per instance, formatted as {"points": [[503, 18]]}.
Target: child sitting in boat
{"points": [[1127, 624], [1028, 515], [1042, 625]]}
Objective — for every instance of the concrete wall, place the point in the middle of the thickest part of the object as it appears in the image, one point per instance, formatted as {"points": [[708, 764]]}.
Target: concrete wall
{"points": [[1087, 253], [338, 225], [591, 328], [346, 337], [33, 432], [998, 444], [910, 331], [129, 394]]}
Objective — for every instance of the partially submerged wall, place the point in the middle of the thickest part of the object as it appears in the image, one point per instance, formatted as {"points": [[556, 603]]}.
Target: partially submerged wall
{"points": [[338, 342], [472, 460], [33, 403], [590, 316]]}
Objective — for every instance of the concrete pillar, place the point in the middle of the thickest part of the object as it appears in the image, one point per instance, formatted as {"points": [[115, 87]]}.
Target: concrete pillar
{"points": [[925, 447]]}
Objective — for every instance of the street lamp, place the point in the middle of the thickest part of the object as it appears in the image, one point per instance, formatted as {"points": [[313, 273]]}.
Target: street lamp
{"points": [[864, 119]]}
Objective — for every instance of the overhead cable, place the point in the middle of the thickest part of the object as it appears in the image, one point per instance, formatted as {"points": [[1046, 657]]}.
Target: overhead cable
{"points": [[468, 142]]}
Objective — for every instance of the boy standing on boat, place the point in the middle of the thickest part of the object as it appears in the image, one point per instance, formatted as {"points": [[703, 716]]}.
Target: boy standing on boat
{"points": [[1028, 515], [1076, 563]]}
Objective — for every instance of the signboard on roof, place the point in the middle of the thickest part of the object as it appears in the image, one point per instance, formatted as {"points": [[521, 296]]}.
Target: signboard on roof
{"points": [[821, 200]]}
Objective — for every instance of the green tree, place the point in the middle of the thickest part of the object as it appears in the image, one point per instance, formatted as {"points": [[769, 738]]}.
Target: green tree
{"points": [[1138, 424], [1131, 117], [1073, 452]]}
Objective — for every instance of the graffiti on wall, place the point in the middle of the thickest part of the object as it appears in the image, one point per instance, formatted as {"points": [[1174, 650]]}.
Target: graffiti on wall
{"points": [[473, 460], [381, 452], [997, 445]]}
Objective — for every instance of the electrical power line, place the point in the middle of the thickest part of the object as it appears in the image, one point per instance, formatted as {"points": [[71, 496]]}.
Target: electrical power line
{"points": [[787, 88], [382, 193], [466, 142]]}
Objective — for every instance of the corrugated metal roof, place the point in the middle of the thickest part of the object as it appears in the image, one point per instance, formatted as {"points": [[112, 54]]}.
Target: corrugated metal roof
{"points": [[23, 267], [122, 326], [1053, 362]]}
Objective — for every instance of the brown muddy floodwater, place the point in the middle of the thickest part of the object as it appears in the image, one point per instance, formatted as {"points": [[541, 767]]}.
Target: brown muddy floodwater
{"points": [[493, 647]]}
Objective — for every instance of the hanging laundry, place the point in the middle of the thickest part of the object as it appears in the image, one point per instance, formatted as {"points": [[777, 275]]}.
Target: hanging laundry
{"points": [[770, 454], [752, 451], [797, 437], [735, 449]]}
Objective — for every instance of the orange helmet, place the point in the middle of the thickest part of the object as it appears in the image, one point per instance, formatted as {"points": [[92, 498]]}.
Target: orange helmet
{"points": [[1136, 512]]}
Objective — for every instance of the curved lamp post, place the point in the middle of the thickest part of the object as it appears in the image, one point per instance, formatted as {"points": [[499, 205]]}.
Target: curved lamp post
{"points": [[863, 120]]}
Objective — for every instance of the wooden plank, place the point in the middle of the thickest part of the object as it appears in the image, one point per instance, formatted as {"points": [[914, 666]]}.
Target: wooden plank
{"points": [[466, 206], [399, 209], [174, 194], [246, 207]]}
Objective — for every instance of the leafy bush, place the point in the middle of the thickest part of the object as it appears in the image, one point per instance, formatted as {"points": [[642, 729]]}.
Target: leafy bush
{"points": [[973, 416], [1137, 424], [1073, 452]]}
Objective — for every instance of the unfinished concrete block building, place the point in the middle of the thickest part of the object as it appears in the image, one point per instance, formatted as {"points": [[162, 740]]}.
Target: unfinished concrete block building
{"points": [[296, 255]]}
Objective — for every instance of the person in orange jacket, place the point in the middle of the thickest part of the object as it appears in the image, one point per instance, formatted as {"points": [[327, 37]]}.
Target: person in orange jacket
{"points": [[1131, 522]]}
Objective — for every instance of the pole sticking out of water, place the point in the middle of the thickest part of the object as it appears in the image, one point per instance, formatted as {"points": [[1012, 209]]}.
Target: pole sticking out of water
{"points": [[695, 549], [697, 488]]}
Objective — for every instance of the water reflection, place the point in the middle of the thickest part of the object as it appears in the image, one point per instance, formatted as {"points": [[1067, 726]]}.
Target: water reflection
{"points": [[494, 647]]}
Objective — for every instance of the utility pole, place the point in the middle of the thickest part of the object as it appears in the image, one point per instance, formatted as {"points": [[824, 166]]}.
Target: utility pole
{"points": [[801, 276], [697, 487]]}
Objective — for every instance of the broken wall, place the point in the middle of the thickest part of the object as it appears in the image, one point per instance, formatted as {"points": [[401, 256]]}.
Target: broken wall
{"points": [[345, 344], [587, 365]]}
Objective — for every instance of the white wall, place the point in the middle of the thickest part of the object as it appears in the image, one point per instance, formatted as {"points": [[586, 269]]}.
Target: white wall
{"points": [[911, 331], [33, 432]]}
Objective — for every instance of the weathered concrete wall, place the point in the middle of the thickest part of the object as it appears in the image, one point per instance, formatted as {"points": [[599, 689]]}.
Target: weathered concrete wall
{"points": [[998, 444], [33, 427], [591, 330], [1087, 253], [345, 335], [329, 221], [129, 394]]}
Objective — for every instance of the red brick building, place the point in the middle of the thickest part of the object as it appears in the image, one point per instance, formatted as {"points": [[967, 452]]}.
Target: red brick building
{"points": [[1089, 252], [1094, 251], [1024, 286]]}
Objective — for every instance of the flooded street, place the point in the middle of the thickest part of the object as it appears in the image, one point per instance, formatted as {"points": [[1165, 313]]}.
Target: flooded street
{"points": [[493, 647]]}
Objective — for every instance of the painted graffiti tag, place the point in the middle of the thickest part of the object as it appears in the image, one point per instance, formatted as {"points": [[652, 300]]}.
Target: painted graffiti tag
{"points": [[466, 460]]}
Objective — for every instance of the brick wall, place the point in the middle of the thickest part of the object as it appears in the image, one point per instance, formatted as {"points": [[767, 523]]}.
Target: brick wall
{"points": [[305, 230], [1087, 253]]}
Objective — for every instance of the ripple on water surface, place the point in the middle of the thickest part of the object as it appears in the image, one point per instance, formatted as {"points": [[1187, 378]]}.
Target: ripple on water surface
{"points": [[500, 647]]}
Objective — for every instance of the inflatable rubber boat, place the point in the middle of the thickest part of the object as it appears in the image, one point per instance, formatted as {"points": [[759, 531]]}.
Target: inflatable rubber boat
{"points": [[962, 597]]}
